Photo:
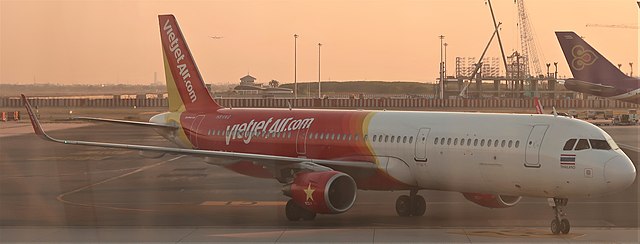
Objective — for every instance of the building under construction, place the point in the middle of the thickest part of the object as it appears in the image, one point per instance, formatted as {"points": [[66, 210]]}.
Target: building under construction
{"points": [[523, 75]]}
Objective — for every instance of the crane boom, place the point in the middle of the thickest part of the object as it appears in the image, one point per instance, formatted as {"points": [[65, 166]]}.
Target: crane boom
{"points": [[527, 42], [614, 26]]}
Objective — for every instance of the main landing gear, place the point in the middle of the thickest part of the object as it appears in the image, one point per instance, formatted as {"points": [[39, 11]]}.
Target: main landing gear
{"points": [[295, 212], [559, 224], [412, 205]]}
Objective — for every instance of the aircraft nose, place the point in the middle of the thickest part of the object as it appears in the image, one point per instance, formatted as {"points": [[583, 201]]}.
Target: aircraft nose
{"points": [[619, 172]]}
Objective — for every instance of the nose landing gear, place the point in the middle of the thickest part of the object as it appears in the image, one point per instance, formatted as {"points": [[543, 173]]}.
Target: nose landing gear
{"points": [[559, 224], [412, 205]]}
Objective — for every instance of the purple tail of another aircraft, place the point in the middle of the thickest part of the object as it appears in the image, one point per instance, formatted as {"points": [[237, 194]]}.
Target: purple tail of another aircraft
{"points": [[593, 74]]}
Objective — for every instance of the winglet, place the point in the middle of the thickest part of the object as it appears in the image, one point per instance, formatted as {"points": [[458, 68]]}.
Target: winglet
{"points": [[34, 120], [539, 108]]}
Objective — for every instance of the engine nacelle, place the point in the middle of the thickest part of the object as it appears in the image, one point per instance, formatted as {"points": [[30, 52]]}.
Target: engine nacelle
{"points": [[328, 192], [492, 200]]}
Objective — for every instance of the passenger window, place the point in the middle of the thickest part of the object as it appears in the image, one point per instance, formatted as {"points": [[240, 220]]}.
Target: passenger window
{"points": [[333, 136], [442, 141], [503, 143], [495, 143], [510, 143], [435, 142], [462, 142], [366, 136], [599, 144], [448, 141], [482, 143], [350, 137], [398, 139], [310, 135], [393, 138], [475, 142], [410, 140], [517, 144], [468, 142], [568, 146], [386, 138], [321, 136], [358, 137], [455, 142], [344, 137]]}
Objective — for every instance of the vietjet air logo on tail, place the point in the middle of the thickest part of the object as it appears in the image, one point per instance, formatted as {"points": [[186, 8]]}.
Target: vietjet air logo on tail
{"points": [[181, 66], [582, 57], [184, 82]]}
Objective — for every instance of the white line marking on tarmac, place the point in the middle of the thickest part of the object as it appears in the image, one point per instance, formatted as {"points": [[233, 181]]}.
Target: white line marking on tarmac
{"points": [[61, 199], [637, 149], [244, 203]]}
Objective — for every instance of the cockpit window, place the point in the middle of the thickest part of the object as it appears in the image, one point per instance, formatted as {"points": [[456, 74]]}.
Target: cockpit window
{"points": [[582, 145], [569, 145], [599, 144]]}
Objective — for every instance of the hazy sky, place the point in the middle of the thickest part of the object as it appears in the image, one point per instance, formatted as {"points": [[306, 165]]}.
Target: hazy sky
{"points": [[88, 42]]}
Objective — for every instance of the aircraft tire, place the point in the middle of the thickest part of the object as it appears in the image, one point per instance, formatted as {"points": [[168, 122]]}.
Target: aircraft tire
{"points": [[555, 226], [565, 226], [403, 206], [293, 211], [419, 206]]}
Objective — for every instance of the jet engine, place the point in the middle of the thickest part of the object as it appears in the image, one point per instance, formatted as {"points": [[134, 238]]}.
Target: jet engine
{"points": [[327, 192], [492, 200]]}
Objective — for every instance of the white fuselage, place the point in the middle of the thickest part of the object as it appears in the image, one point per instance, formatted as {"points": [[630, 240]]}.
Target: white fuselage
{"points": [[525, 161]]}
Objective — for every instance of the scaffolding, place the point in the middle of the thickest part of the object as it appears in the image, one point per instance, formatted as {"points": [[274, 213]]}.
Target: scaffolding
{"points": [[466, 65]]}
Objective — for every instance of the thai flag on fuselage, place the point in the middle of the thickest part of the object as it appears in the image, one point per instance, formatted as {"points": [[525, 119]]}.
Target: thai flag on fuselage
{"points": [[567, 159]]}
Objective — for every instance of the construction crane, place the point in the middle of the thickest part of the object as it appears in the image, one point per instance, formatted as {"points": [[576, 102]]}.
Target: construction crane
{"points": [[614, 26], [527, 42]]}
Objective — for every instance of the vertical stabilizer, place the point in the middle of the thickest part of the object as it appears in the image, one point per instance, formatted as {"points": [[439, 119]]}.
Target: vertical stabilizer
{"points": [[184, 82], [585, 62]]}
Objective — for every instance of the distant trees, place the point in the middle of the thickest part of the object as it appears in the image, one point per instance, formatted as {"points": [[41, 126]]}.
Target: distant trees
{"points": [[274, 83]]}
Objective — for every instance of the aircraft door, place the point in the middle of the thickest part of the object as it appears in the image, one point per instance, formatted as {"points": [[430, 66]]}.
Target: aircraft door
{"points": [[301, 141], [421, 145], [195, 130], [532, 145]]}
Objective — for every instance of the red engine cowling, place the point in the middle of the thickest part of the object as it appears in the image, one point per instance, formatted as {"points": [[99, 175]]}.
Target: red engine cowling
{"points": [[328, 192], [492, 200]]}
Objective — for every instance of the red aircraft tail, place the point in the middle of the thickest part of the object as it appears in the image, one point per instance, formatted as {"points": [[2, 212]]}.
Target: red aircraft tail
{"points": [[184, 82]]}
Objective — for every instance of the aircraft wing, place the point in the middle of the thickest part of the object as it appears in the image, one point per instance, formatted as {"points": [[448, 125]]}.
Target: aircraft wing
{"points": [[128, 122], [260, 158]]}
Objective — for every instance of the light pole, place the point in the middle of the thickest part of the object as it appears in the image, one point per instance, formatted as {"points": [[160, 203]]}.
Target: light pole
{"points": [[319, 84], [441, 69], [295, 67], [444, 67]]}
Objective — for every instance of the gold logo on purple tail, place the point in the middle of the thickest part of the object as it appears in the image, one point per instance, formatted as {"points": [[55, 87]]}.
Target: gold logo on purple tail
{"points": [[582, 57]]}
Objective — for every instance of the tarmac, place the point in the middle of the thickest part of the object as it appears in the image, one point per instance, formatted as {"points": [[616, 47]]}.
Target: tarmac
{"points": [[62, 193]]}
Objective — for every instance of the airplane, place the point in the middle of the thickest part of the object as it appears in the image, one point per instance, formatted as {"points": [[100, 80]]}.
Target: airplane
{"points": [[593, 74], [323, 157]]}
